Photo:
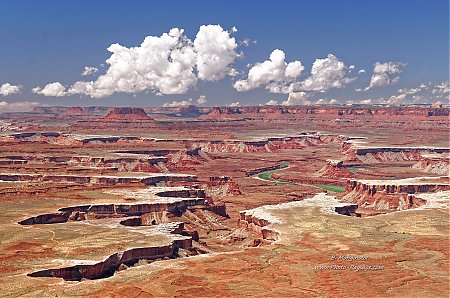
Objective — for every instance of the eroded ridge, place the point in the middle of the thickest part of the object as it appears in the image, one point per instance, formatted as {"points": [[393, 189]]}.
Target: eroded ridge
{"points": [[391, 195], [428, 159], [147, 178], [160, 209], [261, 144], [124, 259], [262, 222]]}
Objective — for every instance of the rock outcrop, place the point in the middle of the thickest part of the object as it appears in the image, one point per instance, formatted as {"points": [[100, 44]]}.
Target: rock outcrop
{"points": [[74, 111], [438, 164], [409, 185], [261, 220], [222, 186], [392, 195], [77, 213], [372, 154], [269, 144], [148, 178], [188, 111], [126, 115], [221, 113], [334, 169], [116, 261], [121, 162], [110, 265], [154, 204]]}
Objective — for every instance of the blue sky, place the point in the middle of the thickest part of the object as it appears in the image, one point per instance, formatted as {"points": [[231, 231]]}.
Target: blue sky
{"points": [[52, 41]]}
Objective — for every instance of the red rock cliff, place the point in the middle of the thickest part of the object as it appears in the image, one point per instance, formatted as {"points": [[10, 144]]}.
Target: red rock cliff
{"points": [[126, 114]]}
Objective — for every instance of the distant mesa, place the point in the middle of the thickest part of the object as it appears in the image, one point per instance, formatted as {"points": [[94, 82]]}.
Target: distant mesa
{"points": [[188, 111], [222, 113], [273, 112], [126, 115], [184, 111], [38, 110], [278, 112], [72, 111], [248, 112]]}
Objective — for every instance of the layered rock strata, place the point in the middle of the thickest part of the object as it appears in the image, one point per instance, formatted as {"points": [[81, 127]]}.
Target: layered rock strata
{"points": [[261, 221], [391, 195], [435, 163], [370, 154], [148, 178], [129, 257]]}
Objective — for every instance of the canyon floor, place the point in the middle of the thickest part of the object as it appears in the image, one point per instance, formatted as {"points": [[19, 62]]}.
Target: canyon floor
{"points": [[220, 202]]}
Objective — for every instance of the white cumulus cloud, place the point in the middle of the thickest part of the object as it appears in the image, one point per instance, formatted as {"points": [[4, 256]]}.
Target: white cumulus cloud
{"points": [[88, 70], [275, 74], [396, 99], [162, 64], [385, 74], [234, 104], [52, 89], [166, 64], [246, 42], [272, 102], [296, 98], [8, 89], [178, 103], [324, 101], [215, 50], [201, 100], [326, 73]]}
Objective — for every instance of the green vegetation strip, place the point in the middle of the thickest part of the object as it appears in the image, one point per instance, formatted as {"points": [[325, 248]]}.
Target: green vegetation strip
{"points": [[333, 188], [267, 175], [354, 169]]}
